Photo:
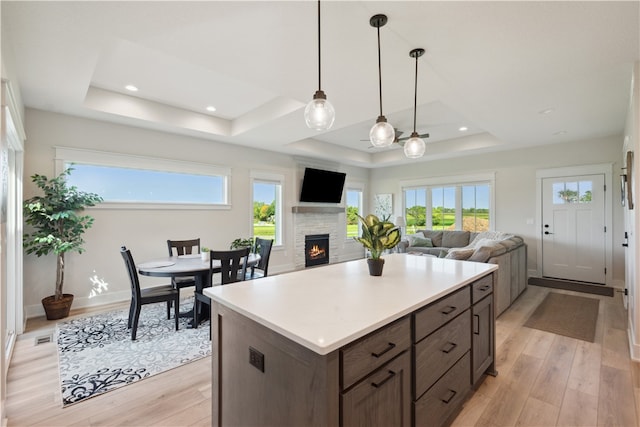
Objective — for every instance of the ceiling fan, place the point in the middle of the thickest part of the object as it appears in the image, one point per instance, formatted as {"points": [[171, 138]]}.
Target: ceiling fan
{"points": [[398, 140]]}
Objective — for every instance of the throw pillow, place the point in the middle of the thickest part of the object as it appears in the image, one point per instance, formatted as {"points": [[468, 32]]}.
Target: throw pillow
{"points": [[482, 254], [423, 242], [443, 253], [460, 254]]}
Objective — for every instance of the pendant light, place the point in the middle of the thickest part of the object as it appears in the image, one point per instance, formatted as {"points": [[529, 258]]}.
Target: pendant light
{"points": [[319, 113], [382, 133], [415, 147]]}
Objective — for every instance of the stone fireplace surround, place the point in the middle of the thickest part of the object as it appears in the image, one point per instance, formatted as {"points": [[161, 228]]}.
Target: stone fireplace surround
{"points": [[315, 220]]}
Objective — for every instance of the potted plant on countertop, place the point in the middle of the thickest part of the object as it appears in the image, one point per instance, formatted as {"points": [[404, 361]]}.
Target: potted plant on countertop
{"points": [[377, 236], [57, 227]]}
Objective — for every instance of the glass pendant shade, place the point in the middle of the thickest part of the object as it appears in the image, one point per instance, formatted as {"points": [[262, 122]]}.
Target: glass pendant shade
{"points": [[382, 133], [414, 147], [319, 113]]}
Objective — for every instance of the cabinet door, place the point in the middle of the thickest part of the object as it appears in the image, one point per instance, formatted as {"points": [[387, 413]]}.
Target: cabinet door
{"points": [[482, 337], [381, 399]]}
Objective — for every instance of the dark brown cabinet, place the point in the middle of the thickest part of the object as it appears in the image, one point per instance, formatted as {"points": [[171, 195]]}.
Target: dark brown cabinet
{"points": [[483, 346], [381, 399]]}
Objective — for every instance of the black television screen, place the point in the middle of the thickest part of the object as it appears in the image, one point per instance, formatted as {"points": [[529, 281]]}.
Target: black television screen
{"points": [[322, 186]]}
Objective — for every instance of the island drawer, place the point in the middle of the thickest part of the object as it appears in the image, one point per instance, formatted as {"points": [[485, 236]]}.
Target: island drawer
{"points": [[481, 288], [445, 397], [440, 351], [440, 312], [369, 353]]}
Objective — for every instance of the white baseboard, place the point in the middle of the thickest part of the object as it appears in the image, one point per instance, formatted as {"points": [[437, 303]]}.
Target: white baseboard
{"points": [[84, 302]]}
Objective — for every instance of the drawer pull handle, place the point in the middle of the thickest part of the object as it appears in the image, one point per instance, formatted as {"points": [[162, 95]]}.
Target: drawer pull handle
{"points": [[387, 378], [390, 347], [452, 393], [450, 346], [450, 309], [484, 288], [476, 324]]}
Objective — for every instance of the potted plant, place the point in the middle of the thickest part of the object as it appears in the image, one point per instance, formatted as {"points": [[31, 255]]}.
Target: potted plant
{"points": [[377, 236], [57, 227], [205, 253], [242, 243]]}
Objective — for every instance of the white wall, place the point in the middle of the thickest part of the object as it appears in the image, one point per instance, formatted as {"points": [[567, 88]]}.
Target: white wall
{"points": [[515, 184], [632, 219], [145, 232]]}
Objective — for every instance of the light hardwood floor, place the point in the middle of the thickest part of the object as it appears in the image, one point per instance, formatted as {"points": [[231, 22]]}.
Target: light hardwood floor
{"points": [[543, 380]]}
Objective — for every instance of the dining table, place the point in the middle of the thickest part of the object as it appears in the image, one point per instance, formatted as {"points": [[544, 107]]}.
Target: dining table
{"points": [[192, 265]]}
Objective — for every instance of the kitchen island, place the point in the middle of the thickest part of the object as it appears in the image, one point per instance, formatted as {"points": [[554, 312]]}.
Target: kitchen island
{"points": [[333, 345]]}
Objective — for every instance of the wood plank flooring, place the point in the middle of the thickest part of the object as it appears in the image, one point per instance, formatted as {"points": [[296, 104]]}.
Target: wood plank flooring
{"points": [[543, 380]]}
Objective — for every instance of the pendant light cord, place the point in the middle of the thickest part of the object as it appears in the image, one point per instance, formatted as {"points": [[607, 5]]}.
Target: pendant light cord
{"points": [[379, 71], [319, 68], [415, 97]]}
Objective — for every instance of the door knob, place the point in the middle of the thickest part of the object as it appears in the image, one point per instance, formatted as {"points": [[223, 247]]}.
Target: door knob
{"points": [[546, 232]]}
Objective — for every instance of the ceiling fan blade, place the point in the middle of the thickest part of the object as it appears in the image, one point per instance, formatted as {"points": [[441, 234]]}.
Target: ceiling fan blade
{"points": [[424, 135]]}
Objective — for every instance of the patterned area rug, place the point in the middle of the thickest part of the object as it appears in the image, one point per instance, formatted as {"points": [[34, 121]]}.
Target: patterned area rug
{"points": [[96, 354]]}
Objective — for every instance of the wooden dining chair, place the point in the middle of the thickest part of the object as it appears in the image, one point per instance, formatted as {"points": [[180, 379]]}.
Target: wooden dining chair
{"points": [[142, 296], [262, 248], [183, 247], [233, 268]]}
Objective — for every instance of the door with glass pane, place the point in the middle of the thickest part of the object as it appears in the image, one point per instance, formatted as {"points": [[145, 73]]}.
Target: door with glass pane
{"points": [[573, 228]]}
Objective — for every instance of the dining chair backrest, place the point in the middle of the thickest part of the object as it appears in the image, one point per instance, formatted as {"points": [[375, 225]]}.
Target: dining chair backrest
{"points": [[263, 248], [133, 273], [183, 247], [233, 264]]}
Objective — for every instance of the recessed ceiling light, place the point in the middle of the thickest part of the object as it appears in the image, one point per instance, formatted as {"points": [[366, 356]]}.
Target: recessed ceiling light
{"points": [[211, 108], [560, 132], [131, 88], [463, 128], [546, 111]]}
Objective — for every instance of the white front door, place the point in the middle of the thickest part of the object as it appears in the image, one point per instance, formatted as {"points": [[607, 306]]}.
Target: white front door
{"points": [[573, 228]]}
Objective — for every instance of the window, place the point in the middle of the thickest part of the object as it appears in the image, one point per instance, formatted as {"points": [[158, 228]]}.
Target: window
{"points": [[145, 182], [572, 192], [267, 207], [354, 208], [465, 206]]}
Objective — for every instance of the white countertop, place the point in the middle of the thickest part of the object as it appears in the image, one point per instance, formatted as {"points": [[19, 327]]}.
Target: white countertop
{"points": [[324, 308]]}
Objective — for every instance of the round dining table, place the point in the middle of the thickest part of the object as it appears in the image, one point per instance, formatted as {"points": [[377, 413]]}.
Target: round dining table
{"points": [[186, 266]]}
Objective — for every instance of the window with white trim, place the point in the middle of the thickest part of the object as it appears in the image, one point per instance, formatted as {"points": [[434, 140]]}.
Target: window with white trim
{"points": [[144, 181], [353, 209], [449, 206], [267, 206]]}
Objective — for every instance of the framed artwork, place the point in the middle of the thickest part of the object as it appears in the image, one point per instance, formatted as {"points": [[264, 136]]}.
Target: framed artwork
{"points": [[383, 205]]}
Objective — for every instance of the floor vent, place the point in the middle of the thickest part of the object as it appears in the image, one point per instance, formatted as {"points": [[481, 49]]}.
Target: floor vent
{"points": [[44, 339]]}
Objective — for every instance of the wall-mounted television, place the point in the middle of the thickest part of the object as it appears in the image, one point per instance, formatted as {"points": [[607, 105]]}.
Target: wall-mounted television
{"points": [[322, 186]]}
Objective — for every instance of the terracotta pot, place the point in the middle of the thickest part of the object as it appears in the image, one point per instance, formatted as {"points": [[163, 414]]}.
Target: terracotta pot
{"points": [[375, 266], [57, 309]]}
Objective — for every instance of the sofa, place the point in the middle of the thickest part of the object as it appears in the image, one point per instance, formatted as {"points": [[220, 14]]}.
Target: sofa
{"points": [[506, 250]]}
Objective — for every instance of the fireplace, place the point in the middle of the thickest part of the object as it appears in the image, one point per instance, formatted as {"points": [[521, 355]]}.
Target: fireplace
{"points": [[316, 249]]}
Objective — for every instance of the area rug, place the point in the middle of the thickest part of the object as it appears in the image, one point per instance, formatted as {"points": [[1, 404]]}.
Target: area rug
{"points": [[96, 354], [567, 315]]}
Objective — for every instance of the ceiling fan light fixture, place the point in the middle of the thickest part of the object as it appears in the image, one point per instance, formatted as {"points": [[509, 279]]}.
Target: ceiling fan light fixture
{"points": [[414, 147], [382, 134], [319, 113]]}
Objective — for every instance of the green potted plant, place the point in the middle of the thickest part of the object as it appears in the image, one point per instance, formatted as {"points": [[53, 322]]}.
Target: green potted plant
{"points": [[205, 253], [242, 243], [377, 236], [57, 227]]}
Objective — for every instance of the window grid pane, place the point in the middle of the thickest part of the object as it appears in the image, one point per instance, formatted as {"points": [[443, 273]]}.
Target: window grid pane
{"points": [[415, 209], [475, 208], [266, 210], [354, 208]]}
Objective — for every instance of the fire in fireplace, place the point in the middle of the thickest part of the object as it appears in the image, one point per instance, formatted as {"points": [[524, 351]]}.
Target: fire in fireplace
{"points": [[316, 249]]}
